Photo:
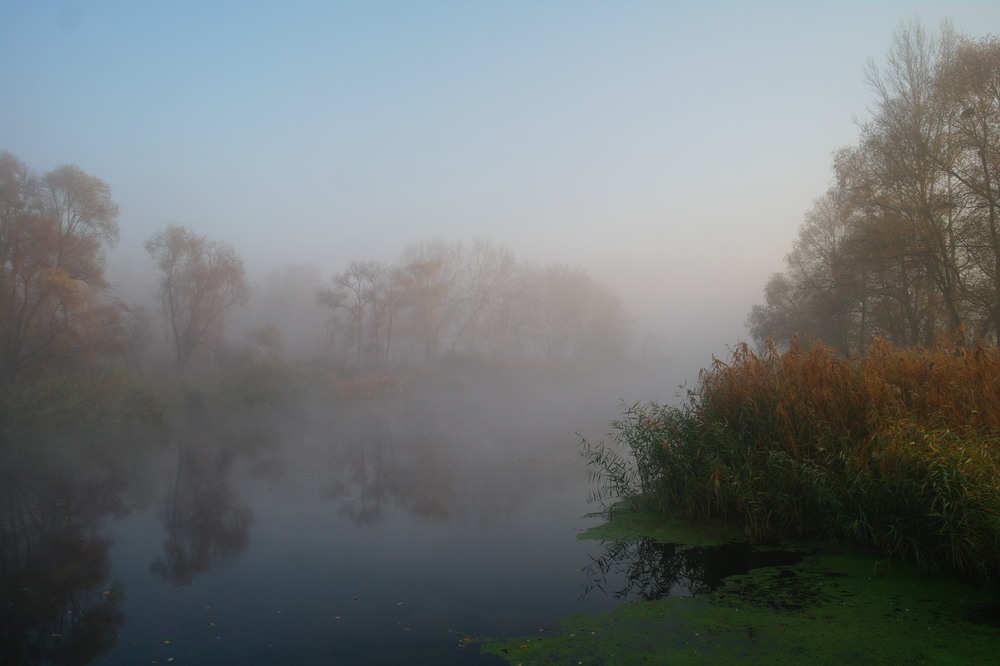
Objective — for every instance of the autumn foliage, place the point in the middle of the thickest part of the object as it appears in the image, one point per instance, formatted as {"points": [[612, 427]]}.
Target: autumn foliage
{"points": [[54, 230]]}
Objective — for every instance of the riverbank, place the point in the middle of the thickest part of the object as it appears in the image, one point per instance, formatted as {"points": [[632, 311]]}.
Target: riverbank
{"points": [[896, 452]]}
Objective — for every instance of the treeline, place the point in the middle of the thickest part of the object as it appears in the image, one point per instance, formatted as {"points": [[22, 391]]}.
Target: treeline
{"points": [[906, 243], [445, 299], [59, 313], [57, 309]]}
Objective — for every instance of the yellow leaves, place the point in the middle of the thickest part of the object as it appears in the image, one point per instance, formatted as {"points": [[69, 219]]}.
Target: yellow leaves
{"points": [[58, 277], [72, 292]]}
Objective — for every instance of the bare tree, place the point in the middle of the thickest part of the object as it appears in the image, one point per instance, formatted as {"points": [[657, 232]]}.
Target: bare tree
{"points": [[968, 84], [429, 279], [904, 147], [353, 292], [917, 252], [572, 317], [201, 280], [476, 302], [487, 273]]}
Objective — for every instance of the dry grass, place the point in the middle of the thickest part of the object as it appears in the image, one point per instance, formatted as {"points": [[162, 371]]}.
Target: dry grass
{"points": [[897, 450]]}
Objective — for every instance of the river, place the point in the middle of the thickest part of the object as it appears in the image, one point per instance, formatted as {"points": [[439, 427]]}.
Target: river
{"points": [[380, 531]]}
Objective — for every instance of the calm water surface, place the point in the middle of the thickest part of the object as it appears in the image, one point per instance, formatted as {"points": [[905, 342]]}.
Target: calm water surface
{"points": [[365, 532]]}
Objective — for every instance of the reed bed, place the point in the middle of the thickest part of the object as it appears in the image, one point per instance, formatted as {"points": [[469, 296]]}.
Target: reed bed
{"points": [[896, 450]]}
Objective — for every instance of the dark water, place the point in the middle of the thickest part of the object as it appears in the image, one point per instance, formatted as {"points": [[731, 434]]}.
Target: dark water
{"points": [[369, 532], [648, 570]]}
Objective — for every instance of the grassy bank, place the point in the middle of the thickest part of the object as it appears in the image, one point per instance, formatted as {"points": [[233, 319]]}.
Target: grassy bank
{"points": [[897, 451]]}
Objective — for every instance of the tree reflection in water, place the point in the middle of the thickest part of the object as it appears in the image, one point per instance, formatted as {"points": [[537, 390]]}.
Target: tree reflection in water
{"points": [[380, 461], [56, 602], [363, 469], [653, 570], [205, 523], [472, 460]]}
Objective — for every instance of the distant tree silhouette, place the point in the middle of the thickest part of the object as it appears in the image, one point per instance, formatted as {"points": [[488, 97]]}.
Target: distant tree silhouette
{"points": [[201, 279]]}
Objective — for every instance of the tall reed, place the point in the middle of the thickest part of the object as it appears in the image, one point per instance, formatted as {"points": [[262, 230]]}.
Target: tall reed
{"points": [[897, 450]]}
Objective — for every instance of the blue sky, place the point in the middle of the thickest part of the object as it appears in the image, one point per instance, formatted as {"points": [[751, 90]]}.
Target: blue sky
{"points": [[671, 148]]}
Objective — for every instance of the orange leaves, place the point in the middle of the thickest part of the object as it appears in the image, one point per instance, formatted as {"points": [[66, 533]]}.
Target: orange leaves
{"points": [[53, 232]]}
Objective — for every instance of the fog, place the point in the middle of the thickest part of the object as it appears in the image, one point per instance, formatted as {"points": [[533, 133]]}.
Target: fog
{"points": [[669, 149], [543, 212]]}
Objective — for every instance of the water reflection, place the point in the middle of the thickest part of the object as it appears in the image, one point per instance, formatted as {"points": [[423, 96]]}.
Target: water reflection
{"points": [[383, 463], [57, 604], [435, 462], [650, 570], [361, 471], [457, 510], [206, 524], [205, 509]]}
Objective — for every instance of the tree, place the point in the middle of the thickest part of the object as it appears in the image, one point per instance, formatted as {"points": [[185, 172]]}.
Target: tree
{"points": [[786, 311], [487, 276], [917, 249], [476, 302], [53, 234], [361, 293], [201, 280], [968, 84], [572, 317], [384, 296], [903, 147], [429, 280]]}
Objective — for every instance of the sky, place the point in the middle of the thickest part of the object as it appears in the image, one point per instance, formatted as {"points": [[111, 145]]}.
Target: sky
{"points": [[670, 148]]}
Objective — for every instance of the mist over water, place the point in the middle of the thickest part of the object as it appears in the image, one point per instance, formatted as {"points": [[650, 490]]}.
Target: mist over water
{"points": [[355, 532]]}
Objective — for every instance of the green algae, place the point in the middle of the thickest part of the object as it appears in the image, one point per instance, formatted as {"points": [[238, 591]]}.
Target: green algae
{"points": [[833, 607], [631, 525]]}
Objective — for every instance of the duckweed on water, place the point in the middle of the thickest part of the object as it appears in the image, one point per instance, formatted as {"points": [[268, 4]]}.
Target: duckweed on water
{"points": [[833, 607], [630, 525]]}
